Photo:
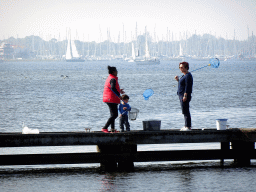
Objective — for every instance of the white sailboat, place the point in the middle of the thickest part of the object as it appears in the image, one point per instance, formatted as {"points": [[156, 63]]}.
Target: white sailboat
{"points": [[72, 53], [147, 60], [181, 55], [133, 57]]}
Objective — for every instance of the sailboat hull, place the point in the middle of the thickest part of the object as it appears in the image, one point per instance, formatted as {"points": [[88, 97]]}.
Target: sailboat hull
{"points": [[148, 62], [75, 60]]}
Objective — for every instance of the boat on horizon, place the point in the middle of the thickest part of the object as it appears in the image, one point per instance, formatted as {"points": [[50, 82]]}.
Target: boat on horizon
{"points": [[72, 53], [133, 57], [147, 59]]}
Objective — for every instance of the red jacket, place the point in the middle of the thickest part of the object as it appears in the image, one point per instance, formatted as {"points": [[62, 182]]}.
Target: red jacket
{"points": [[108, 95]]}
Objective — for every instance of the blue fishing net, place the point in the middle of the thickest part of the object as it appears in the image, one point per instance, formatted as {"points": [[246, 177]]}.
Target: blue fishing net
{"points": [[147, 93], [214, 62]]}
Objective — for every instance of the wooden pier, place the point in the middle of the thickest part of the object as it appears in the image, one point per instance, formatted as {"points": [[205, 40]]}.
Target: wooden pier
{"points": [[119, 150]]}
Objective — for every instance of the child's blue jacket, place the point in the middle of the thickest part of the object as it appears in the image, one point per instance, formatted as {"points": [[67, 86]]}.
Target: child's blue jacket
{"points": [[124, 112]]}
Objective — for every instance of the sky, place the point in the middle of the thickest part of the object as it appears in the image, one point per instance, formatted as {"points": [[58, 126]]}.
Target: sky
{"points": [[116, 20]]}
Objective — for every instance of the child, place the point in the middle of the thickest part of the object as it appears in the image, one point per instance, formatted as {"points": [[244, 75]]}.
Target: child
{"points": [[124, 107]]}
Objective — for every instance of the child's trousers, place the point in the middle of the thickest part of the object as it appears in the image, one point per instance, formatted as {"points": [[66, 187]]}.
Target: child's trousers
{"points": [[124, 121]]}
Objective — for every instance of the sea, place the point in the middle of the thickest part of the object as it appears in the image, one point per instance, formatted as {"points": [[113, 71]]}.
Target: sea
{"points": [[59, 96]]}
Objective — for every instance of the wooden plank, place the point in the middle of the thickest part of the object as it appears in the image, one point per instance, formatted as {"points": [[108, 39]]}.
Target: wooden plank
{"points": [[142, 156], [133, 137]]}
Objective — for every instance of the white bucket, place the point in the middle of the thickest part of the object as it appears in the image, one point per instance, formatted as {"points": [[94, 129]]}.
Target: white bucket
{"points": [[221, 124]]}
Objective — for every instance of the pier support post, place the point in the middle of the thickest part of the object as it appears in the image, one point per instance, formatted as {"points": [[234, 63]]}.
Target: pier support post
{"points": [[242, 150], [224, 146], [126, 160], [121, 157], [110, 163]]}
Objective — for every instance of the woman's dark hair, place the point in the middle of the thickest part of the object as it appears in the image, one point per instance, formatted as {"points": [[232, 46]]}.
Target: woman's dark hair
{"points": [[111, 69], [185, 64]]}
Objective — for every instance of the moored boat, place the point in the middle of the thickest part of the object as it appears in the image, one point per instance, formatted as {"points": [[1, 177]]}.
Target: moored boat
{"points": [[72, 53]]}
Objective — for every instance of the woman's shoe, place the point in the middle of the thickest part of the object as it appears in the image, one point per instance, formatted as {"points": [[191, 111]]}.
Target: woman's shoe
{"points": [[185, 129], [105, 130]]}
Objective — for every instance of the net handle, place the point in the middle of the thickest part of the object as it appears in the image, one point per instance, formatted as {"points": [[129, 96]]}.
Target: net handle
{"points": [[213, 62], [116, 94]]}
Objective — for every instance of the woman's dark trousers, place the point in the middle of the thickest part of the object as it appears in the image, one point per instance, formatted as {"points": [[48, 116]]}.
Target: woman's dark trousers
{"points": [[185, 110], [113, 115]]}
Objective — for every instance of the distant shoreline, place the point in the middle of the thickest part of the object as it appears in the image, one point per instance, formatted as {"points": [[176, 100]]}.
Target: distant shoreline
{"points": [[31, 60]]}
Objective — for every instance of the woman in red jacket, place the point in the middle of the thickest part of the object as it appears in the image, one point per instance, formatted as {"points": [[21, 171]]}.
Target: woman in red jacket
{"points": [[111, 96]]}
